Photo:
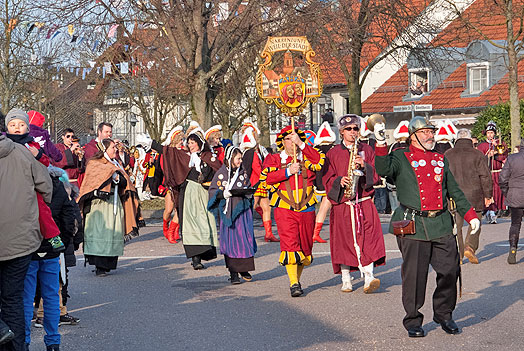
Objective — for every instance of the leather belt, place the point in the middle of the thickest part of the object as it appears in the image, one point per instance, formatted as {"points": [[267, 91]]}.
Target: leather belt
{"points": [[429, 214]]}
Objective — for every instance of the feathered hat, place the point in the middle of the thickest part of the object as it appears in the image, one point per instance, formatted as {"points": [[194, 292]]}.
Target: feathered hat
{"points": [[214, 131], [248, 123], [175, 136], [325, 135], [402, 130], [194, 128], [285, 132]]}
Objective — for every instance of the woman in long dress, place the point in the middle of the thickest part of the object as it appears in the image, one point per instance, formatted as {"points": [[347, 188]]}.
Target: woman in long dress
{"points": [[198, 226], [109, 204], [235, 214]]}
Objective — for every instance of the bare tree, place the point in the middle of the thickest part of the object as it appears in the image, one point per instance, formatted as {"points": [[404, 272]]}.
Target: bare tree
{"points": [[505, 16]]}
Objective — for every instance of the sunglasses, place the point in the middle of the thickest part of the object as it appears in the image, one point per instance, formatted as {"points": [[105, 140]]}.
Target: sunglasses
{"points": [[356, 129], [69, 136]]}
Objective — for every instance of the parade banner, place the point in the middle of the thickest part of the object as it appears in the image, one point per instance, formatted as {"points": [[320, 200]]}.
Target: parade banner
{"points": [[289, 87]]}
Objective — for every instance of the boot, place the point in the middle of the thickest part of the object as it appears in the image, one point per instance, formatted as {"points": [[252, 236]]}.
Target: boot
{"points": [[172, 233], [260, 212], [165, 228], [196, 263], [512, 257], [316, 234], [269, 234], [234, 278], [371, 283]]}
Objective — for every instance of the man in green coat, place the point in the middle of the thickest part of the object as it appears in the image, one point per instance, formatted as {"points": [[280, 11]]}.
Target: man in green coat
{"points": [[424, 184]]}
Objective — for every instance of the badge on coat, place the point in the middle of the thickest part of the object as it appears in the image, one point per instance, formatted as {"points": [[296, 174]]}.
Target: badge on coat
{"points": [[220, 176], [438, 178], [438, 170], [414, 164], [422, 163], [433, 163], [440, 164]]}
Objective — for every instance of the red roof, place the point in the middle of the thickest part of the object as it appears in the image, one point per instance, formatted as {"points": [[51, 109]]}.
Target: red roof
{"points": [[448, 94]]}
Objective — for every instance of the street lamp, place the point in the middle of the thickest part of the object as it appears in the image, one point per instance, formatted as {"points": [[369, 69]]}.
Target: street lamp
{"points": [[133, 121]]}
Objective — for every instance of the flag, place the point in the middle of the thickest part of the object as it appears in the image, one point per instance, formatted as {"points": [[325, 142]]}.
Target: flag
{"points": [[124, 68], [112, 31], [71, 29], [107, 66]]}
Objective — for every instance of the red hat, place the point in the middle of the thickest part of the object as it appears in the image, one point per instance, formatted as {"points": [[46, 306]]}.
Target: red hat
{"points": [[364, 130], [285, 132], [36, 118], [325, 135], [443, 133], [248, 140]]}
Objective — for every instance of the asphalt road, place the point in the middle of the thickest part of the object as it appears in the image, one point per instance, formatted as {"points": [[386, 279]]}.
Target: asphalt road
{"points": [[156, 301]]}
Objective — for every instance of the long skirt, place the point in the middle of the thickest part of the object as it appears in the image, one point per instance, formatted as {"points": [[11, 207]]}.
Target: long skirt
{"points": [[199, 230], [237, 243], [104, 233]]}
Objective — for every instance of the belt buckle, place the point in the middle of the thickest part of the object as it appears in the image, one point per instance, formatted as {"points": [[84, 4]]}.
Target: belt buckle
{"points": [[432, 213]]}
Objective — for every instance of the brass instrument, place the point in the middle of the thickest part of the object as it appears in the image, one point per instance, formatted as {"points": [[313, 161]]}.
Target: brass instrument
{"points": [[375, 119], [353, 173], [500, 148], [123, 148]]}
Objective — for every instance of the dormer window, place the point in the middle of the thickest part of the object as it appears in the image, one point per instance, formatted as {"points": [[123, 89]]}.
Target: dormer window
{"points": [[418, 82], [478, 77]]}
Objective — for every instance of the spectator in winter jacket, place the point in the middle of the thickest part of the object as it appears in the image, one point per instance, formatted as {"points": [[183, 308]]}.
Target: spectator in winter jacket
{"points": [[17, 122], [19, 233], [41, 136], [67, 215], [45, 267]]}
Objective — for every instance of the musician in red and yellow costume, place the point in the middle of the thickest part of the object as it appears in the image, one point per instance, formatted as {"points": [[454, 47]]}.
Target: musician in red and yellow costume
{"points": [[293, 201]]}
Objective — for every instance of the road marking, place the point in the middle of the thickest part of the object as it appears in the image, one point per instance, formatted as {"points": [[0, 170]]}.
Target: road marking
{"points": [[507, 245]]}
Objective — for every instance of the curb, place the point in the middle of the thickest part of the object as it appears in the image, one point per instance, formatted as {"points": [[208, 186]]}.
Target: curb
{"points": [[152, 214]]}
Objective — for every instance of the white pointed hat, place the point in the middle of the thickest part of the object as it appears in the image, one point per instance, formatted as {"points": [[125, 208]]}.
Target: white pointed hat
{"points": [[364, 130], [248, 123], [451, 127], [247, 140], [325, 135], [443, 133], [402, 130]]}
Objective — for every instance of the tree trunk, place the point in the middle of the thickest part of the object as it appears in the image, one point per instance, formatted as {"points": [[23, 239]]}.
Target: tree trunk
{"points": [[355, 105], [514, 104], [263, 122], [202, 99]]}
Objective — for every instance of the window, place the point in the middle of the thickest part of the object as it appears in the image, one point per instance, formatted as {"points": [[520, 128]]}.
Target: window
{"points": [[418, 82], [478, 78]]}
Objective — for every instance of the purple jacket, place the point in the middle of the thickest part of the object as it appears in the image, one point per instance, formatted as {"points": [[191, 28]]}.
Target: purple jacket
{"points": [[42, 137]]}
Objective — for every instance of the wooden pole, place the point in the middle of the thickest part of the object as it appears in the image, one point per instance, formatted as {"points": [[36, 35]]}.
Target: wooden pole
{"points": [[295, 161]]}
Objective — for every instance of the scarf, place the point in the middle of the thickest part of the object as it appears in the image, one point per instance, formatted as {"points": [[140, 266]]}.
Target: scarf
{"points": [[20, 138]]}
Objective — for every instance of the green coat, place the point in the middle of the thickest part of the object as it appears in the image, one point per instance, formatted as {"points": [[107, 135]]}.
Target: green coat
{"points": [[397, 166]]}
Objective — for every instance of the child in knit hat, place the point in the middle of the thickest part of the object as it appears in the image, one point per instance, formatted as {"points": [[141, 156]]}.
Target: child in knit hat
{"points": [[16, 123]]}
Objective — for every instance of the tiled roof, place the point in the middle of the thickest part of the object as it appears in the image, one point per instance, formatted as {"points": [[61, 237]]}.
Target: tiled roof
{"points": [[448, 94]]}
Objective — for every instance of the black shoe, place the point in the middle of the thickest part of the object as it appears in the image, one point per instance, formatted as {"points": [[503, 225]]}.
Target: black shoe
{"points": [[67, 319], [100, 272], [234, 278], [512, 257], [246, 276], [296, 290], [54, 347], [197, 264], [416, 332], [6, 335], [449, 327]]}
